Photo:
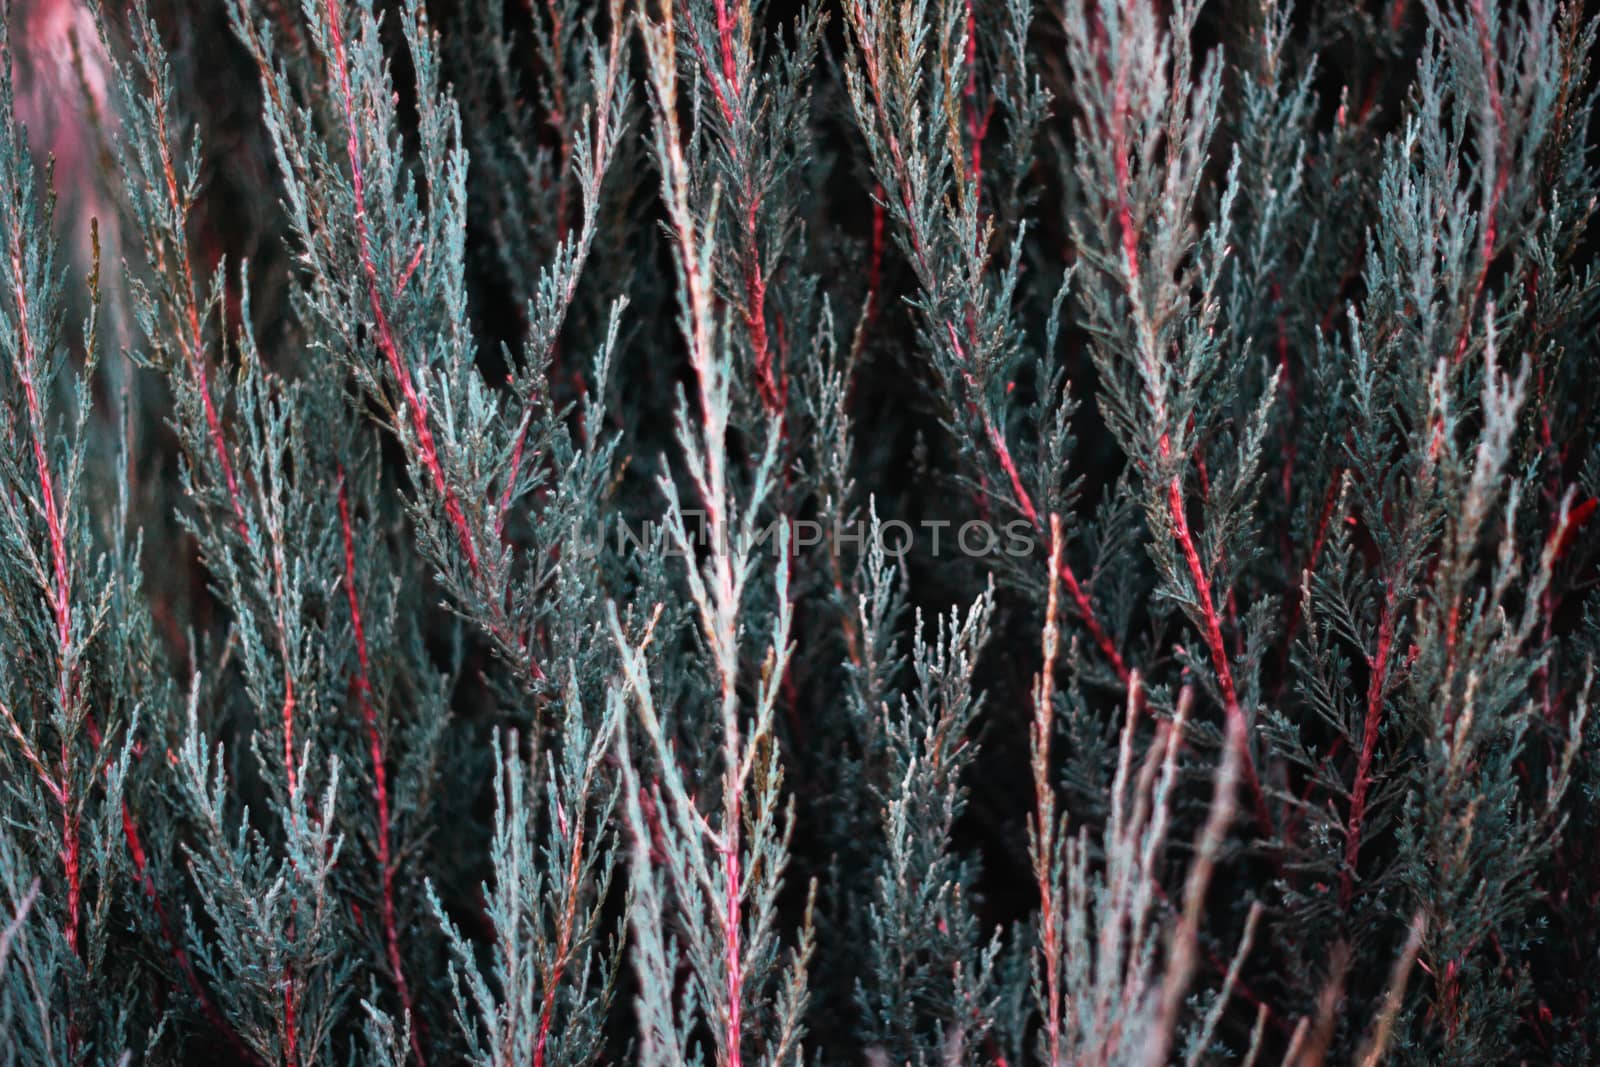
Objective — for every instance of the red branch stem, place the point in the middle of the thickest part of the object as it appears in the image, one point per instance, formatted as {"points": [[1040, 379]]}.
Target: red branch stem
{"points": [[60, 598], [380, 776], [1369, 743], [1211, 630], [415, 404], [194, 342], [902, 175]]}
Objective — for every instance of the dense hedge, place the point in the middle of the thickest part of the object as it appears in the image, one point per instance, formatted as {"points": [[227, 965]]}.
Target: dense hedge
{"points": [[848, 532]]}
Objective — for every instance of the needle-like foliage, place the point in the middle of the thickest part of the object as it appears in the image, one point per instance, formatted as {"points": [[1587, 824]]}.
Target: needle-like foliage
{"points": [[783, 532]]}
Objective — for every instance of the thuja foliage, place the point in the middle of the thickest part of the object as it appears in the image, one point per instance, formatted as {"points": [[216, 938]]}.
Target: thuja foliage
{"points": [[929, 532]]}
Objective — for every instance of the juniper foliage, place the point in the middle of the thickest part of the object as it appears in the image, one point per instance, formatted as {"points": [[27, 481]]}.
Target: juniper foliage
{"points": [[744, 531]]}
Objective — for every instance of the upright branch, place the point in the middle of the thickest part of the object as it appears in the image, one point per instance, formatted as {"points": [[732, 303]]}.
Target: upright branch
{"points": [[414, 402], [734, 944], [1183, 942], [1211, 628], [169, 933], [947, 246], [1372, 722], [1114, 1001], [1495, 171], [1044, 827], [381, 232], [591, 149], [380, 774], [729, 71], [280, 589], [162, 209], [26, 362], [718, 597], [1154, 313]]}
